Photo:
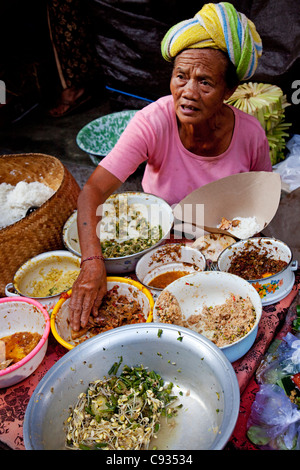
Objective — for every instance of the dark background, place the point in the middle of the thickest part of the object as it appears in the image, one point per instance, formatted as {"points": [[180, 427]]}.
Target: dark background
{"points": [[127, 36]]}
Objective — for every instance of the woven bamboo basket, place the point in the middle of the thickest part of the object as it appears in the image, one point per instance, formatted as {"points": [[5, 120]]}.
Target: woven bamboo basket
{"points": [[41, 230]]}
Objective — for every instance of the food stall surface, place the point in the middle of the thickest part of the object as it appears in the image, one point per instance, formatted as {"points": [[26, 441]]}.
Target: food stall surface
{"points": [[275, 323], [37, 132]]}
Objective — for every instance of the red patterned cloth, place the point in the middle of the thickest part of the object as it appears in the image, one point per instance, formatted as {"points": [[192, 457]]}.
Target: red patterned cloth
{"points": [[275, 322]]}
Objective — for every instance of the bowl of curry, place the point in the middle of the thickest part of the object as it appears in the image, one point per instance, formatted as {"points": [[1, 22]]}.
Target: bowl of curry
{"points": [[267, 263], [126, 302], [24, 331], [163, 265]]}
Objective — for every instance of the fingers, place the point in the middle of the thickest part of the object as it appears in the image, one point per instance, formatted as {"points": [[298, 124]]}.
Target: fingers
{"points": [[98, 301], [81, 306], [87, 294], [80, 311], [85, 311], [77, 320]]}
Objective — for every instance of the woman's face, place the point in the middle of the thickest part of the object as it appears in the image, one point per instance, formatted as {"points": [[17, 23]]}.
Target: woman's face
{"points": [[198, 85]]}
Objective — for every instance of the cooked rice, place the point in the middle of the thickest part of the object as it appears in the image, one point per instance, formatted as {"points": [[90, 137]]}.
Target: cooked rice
{"points": [[247, 227], [16, 200]]}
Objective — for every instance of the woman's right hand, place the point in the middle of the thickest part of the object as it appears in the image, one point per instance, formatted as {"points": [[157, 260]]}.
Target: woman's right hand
{"points": [[91, 284], [87, 293]]}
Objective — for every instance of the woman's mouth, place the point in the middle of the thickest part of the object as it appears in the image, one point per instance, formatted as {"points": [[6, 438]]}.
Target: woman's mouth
{"points": [[188, 109]]}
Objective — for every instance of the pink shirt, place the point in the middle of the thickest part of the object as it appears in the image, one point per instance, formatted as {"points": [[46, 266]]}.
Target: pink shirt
{"points": [[172, 171]]}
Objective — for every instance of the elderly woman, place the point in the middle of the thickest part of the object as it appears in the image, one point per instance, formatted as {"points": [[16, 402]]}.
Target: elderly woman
{"points": [[188, 139]]}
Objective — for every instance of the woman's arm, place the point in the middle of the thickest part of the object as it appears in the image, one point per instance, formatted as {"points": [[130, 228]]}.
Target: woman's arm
{"points": [[90, 286]]}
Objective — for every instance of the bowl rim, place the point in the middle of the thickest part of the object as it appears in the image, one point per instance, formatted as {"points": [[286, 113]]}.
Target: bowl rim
{"points": [[70, 220], [43, 339], [102, 119], [268, 239], [241, 281], [36, 259], [172, 329], [160, 289], [62, 300]]}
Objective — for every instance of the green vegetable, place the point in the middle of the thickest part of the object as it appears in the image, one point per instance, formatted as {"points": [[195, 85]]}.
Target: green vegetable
{"points": [[115, 367], [296, 322], [115, 412], [258, 436]]}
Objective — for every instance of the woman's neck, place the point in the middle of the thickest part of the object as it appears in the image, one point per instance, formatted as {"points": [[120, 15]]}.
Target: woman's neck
{"points": [[210, 138]]}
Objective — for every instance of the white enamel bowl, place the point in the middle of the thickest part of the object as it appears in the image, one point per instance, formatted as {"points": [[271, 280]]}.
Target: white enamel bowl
{"points": [[213, 288], [155, 209], [38, 267], [167, 258], [273, 288], [17, 315]]}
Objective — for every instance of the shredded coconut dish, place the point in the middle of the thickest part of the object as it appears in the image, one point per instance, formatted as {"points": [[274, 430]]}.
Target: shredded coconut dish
{"points": [[15, 201], [240, 227], [168, 309], [226, 323], [120, 412], [223, 324]]}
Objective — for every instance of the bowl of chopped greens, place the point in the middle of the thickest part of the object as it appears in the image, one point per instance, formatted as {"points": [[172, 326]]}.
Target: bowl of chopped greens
{"points": [[137, 387], [132, 224]]}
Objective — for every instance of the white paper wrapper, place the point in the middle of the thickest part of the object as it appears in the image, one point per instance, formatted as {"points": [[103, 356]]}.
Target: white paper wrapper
{"points": [[252, 194]]}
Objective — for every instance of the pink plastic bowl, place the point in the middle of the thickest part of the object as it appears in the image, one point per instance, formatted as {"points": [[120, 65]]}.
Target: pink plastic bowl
{"points": [[22, 314]]}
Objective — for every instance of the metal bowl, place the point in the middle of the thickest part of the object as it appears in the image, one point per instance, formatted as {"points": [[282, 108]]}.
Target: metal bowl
{"points": [[166, 258], [213, 288], [17, 315], [203, 379], [60, 325], [157, 211]]}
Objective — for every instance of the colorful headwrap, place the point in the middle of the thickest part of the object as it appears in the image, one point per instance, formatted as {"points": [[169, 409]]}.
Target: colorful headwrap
{"points": [[218, 26]]}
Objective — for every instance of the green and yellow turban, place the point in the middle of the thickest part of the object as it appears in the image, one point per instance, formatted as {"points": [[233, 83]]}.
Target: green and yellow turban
{"points": [[218, 26]]}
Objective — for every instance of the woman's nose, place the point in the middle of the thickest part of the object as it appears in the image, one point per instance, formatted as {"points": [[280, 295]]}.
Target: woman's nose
{"points": [[191, 89]]}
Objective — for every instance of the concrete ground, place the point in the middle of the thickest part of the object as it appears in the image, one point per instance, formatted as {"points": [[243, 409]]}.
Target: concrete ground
{"points": [[36, 132]]}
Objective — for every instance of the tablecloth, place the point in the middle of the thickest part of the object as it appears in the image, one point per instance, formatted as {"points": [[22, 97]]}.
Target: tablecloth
{"points": [[275, 322]]}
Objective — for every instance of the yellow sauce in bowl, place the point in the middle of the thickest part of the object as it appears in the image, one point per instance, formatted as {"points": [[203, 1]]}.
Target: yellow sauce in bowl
{"points": [[163, 280]]}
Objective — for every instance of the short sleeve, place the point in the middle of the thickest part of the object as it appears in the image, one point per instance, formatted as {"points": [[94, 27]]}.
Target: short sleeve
{"points": [[262, 160], [131, 150]]}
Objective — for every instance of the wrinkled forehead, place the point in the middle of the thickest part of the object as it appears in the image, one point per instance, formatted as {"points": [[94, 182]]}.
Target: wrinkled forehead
{"points": [[212, 60], [200, 55]]}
